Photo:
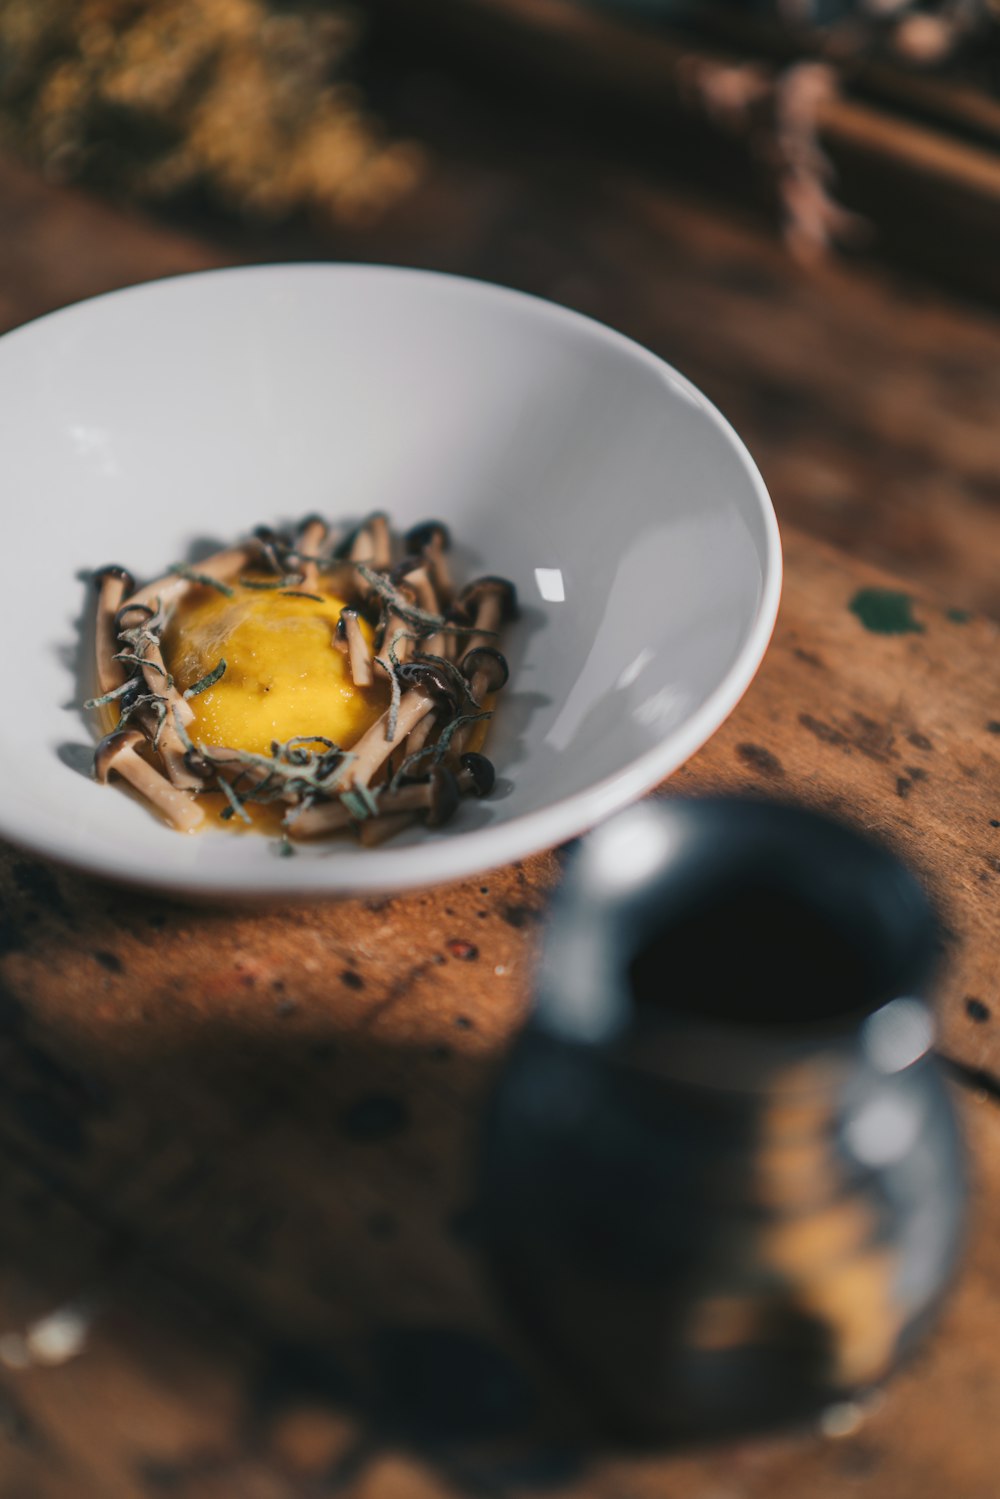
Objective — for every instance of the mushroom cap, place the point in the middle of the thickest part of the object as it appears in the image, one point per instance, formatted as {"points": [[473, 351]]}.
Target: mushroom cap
{"points": [[418, 538], [133, 608], [430, 678], [111, 747], [444, 796], [502, 587], [480, 773], [113, 570], [341, 628], [484, 660]]}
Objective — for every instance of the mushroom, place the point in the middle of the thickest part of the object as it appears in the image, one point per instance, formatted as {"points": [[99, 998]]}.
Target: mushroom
{"points": [[437, 797], [491, 602], [419, 736], [312, 534], [476, 776], [447, 643], [117, 752], [114, 584], [377, 830], [431, 540], [350, 639], [375, 746], [372, 543], [486, 671], [166, 590], [417, 582]]}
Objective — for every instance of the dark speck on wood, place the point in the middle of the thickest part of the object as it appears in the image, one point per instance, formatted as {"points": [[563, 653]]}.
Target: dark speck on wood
{"points": [[12, 938], [519, 915], [993, 726], [374, 1118], [918, 740], [761, 759], [352, 980], [903, 786], [465, 952], [885, 612], [39, 884], [109, 961], [464, 1023], [995, 822], [976, 1010]]}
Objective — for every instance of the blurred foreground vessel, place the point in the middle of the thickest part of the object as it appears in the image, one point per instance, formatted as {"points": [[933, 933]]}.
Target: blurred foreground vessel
{"points": [[723, 1187]]}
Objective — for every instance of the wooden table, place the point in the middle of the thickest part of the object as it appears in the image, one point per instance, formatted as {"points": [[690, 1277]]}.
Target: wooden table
{"points": [[241, 1146]]}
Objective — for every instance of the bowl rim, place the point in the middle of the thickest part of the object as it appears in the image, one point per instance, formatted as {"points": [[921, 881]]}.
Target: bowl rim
{"points": [[387, 870]]}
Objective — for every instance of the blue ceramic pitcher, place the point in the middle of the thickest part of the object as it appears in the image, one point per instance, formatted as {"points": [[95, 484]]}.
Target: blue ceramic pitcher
{"points": [[722, 1183]]}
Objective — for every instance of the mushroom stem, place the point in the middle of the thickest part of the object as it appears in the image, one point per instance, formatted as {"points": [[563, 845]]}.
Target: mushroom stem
{"points": [[117, 752], [310, 540], [220, 566], [377, 830], [372, 543], [317, 821], [419, 736], [374, 747], [350, 638], [431, 541], [170, 746], [422, 589], [113, 586]]}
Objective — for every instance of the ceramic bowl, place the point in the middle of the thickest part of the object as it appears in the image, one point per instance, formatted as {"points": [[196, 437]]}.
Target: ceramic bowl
{"points": [[151, 425]]}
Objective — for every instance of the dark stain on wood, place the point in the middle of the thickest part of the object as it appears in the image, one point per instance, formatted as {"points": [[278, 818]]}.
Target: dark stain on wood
{"points": [[374, 1118], [993, 726], [518, 915], [38, 883], [810, 658], [884, 611], [825, 732], [760, 759], [918, 740], [352, 980], [109, 961], [903, 786], [976, 1010]]}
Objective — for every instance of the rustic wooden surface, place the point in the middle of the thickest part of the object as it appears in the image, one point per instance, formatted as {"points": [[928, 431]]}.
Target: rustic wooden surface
{"points": [[248, 1140]]}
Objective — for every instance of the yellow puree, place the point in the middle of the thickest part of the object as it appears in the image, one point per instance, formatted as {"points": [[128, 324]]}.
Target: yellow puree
{"points": [[284, 675]]}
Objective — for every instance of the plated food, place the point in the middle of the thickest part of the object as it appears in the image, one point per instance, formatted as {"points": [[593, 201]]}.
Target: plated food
{"points": [[304, 683]]}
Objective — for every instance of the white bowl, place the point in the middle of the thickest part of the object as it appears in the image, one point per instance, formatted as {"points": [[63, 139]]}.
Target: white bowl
{"points": [[147, 426]]}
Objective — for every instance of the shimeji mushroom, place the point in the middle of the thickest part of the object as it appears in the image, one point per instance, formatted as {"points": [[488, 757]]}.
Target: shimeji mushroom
{"points": [[117, 752], [486, 671], [476, 776], [436, 797], [431, 540], [113, 585], [491, 602], [219, 567], [312, 534], [416, 581], [350, 639], [377, 744]]}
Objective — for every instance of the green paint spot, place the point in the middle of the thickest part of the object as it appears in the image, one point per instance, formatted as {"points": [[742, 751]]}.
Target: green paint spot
{"points": [[884, 612], [958, 616]]}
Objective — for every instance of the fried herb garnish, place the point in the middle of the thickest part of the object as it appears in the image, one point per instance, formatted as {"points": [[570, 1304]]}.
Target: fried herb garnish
{"points": [[209, 680], [190, 576]]}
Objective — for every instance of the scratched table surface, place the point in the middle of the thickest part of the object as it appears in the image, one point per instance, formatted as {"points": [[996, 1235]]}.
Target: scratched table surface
{"points": [[237, 1229]]}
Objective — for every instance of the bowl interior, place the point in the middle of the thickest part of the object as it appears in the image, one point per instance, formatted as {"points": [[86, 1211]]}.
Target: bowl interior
{"points": [[152, 425]]}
